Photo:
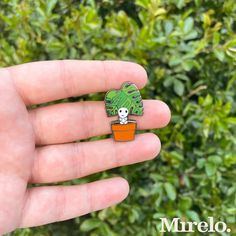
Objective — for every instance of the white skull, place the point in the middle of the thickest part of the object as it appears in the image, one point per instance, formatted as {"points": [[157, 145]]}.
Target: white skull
{"points": [[123, 112]]}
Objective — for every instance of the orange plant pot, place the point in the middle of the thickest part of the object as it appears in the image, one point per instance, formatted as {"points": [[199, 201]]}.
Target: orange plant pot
{"points": [[124, 132]]}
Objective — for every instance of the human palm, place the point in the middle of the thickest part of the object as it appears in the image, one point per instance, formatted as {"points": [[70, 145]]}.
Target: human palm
{"points": [[37, 144]]}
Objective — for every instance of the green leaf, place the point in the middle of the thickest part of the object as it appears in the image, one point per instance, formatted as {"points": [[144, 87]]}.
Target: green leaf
{"points": [[168, 27], [159, 11], [142, 3], [188, 64], [219, 54], [170, 190], [201, 163], [231, 120], [210, 168], [50, 5], [231, 52], [128, 96], [185, 203], [193, 215], [207, 101], [191, 35], [188, 24], [90, 224], [179, 87], [215, 159], [231, 211]]}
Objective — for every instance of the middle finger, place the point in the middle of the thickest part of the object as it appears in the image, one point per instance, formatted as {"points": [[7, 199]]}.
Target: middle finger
{"points": [[68, 122]]}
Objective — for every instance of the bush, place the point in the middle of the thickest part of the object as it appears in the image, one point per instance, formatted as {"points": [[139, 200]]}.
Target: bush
{"points": [[188, 50]]}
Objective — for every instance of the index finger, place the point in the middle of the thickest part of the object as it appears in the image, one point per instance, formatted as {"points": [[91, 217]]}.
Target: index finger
{"points": [[44, 81]]}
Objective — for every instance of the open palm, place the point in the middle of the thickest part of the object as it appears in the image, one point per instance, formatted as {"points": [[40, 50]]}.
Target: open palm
{"points": [[37, 144]]}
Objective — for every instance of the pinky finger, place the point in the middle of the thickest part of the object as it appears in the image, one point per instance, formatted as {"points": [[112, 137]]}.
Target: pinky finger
{"points": [[49, 204]]}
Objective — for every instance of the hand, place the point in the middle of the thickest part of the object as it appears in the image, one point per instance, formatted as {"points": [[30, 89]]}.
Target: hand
{"points": [[36, 144]]}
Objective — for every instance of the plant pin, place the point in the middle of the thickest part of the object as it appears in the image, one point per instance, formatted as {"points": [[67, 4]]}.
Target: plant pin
{"points": [[123, 102]]}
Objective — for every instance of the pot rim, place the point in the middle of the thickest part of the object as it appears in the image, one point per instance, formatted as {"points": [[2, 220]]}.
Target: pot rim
{"points": [[118, 122]]}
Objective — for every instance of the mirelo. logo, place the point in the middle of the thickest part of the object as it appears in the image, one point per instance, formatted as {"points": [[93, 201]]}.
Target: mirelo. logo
{"points": [[210, 226]]}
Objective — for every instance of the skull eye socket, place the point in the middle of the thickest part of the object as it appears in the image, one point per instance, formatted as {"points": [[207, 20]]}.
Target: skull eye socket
{"points": [[126, 111]]}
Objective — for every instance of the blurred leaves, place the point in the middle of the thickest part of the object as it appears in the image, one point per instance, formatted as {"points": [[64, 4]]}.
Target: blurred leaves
{"points": [[188, 50], [170, 190]]}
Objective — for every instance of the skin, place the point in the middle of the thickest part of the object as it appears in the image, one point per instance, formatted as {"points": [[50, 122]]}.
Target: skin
{"points": [[36, 144]]}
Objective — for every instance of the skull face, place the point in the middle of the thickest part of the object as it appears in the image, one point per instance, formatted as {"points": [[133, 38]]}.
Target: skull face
{"points": [[123, 112]]}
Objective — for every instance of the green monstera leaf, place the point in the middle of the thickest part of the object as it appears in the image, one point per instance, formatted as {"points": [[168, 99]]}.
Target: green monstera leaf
{"points": [[128, 96]]}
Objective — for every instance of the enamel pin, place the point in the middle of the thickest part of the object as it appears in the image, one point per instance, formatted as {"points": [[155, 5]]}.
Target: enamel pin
{"points": [[123, 102]]}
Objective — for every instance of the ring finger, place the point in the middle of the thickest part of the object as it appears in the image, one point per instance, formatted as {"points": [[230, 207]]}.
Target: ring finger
{"points": [[74, 160]]}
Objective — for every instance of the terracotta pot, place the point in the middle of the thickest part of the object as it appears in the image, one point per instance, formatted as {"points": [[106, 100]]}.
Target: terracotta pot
{"points": [[123, 132]]}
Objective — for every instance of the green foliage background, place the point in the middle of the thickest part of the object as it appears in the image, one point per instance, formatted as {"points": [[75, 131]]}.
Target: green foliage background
{"points": [[188, 50]]}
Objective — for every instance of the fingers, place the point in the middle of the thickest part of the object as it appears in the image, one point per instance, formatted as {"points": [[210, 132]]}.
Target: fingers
{"points": [[44, 81], [70, 161], [72, 121], [57, 203]]}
